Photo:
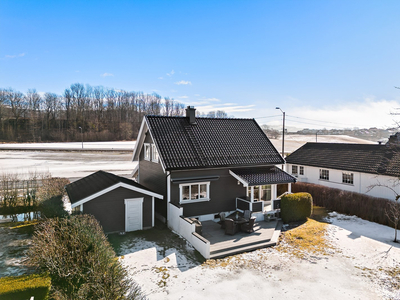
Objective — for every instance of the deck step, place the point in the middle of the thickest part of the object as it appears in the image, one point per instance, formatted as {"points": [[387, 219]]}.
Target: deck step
{"points": [[237, 250], [220, 248]]}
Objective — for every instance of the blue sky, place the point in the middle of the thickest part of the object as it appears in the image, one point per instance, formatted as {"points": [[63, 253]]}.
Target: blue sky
{"points": [[332, 63]]}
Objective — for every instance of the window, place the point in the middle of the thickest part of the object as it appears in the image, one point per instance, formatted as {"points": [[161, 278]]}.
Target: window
{"points": [[301, 171], [194, 192], [154, 153], [147, 151], [348, 178], [323, 174], [266, 192], [294, 170]]}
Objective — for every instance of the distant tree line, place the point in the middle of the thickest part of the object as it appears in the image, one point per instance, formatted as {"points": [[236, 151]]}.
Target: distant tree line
{"points": [[98, 113]]}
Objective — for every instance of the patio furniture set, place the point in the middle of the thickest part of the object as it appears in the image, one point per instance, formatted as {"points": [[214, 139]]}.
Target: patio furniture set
{"points": [[235, 222]]}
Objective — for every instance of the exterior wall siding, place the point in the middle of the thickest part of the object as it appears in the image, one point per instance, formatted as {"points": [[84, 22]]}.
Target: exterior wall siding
{"points": [[152, 176], [109, 209], [361, 183], [223, 192]]}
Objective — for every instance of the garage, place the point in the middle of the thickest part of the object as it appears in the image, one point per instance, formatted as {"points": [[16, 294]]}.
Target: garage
{"points": [[118, 203]]}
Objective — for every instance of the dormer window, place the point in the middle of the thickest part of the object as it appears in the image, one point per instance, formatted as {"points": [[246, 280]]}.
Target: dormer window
{"points": [[147, 151], [154, 153]]}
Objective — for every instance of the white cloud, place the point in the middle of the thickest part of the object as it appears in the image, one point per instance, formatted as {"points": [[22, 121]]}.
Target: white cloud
{"points": [[160, 78], [183, 97], [171, 73], [183, 82], [197, 95], [15, 56], [227, 109], [107, 75]]}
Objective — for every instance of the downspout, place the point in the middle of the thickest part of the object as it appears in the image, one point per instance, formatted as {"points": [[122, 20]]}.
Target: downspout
{"points": [[168, 194]]}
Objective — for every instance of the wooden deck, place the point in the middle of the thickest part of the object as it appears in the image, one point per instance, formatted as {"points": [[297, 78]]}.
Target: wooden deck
{"points": [[265, 234]]}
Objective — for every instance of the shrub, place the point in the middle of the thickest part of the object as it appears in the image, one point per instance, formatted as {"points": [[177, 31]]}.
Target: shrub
{"points": [[79, 259], [52, 207], [24, 287], [296, 207], [345, 202]]}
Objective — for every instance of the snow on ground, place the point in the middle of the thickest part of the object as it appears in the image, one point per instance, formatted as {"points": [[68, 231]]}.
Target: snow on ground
{"points": [[120, 145], [356, 269]]}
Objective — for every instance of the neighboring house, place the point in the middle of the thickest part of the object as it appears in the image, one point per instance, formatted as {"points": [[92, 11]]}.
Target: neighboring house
{"points": [[118, 203], [205, 166], [350, 167]]}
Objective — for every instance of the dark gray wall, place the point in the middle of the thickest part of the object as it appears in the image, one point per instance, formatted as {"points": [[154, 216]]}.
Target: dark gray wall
{"points": [[152, 176], [109, 209], [223, 192]]}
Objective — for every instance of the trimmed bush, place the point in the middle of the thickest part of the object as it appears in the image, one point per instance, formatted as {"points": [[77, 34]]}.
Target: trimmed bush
{"points": [[24, 287], [349, 203], [52, 207], [296, 207]]}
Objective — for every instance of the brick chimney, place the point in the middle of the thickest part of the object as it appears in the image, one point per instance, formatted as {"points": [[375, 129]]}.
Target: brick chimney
{"points": [[191, 114]]}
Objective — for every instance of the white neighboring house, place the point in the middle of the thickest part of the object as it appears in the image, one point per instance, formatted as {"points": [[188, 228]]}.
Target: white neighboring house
{"points": [[350, 167]]}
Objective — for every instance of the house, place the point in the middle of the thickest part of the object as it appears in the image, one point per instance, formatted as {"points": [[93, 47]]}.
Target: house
{"points": [[205, 166], [118, 203], [350, 167]]}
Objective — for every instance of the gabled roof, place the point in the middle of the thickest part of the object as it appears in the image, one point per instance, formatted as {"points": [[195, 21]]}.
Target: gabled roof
{"points": [[365, 158], [98, 182], [262, 176], [210, 143]]}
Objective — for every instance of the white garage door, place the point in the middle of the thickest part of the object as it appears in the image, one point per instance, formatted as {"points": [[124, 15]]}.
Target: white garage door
{"points": [[133, 214]]}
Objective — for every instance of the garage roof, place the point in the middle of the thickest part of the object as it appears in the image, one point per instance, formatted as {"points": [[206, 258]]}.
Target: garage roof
{"points": [[99, 182]]}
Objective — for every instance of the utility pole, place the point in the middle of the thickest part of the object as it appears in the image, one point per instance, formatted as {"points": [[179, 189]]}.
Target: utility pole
{"points": [[81, 135], [283, 134]]}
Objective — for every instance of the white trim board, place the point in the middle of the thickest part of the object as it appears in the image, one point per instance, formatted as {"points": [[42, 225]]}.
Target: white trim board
{"points": [[113, 187]]}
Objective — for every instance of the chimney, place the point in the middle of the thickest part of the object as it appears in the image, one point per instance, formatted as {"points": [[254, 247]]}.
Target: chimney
{"points": [[191, 114]]}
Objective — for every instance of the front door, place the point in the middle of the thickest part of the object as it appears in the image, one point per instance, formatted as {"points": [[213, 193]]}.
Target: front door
{"points": [[133, 214]]}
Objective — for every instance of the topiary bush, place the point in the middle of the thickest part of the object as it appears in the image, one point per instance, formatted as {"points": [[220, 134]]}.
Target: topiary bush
{"points": [[24, 287], [296, 207]]}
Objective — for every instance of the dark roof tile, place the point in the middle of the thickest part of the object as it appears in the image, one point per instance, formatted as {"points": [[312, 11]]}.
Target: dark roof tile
{"points": [[365, 158], [212, 142]]}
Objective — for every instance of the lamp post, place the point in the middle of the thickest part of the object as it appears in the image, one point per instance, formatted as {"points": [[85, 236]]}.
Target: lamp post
{"points": [[81, 135], [283, 133]]}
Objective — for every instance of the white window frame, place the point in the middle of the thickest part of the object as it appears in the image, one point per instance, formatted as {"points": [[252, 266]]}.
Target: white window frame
{"points": [[181, 200], [145, 147], [296, 168], [350, 178], [154, 153], [301, 170], [322, 176]]}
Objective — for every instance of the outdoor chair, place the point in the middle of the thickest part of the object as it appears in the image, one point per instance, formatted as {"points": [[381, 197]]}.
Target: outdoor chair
{"points": [[247, 214], [230, 227], [222, 220], [248, 227]]}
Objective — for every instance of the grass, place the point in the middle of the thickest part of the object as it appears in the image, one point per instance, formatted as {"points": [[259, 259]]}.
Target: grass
{"points": [[308, 238], [24, 287]]}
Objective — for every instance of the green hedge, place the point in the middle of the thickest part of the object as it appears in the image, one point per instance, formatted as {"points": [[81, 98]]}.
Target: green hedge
{"points": [[296, 207], [24, 287]]}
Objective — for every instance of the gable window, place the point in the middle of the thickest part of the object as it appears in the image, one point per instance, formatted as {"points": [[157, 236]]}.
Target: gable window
{"points": [[301, 170], [348, 177], [323, 174], [294, 170], [194, 192], [154, 153], [147, 151]]}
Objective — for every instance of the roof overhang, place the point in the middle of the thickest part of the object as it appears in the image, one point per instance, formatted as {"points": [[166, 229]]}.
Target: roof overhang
{"points": [[261, 176]]}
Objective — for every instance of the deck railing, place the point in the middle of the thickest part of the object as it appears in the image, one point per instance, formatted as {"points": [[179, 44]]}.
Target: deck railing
{"points": [[244, 203]]}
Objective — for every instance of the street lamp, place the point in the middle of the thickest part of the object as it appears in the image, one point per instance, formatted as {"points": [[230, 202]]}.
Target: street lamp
{"points": [[283, 133], [81, 135]]}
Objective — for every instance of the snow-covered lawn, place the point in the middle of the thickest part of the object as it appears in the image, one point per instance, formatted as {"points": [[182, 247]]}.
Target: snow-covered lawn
{"points": [[356, 267]]}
